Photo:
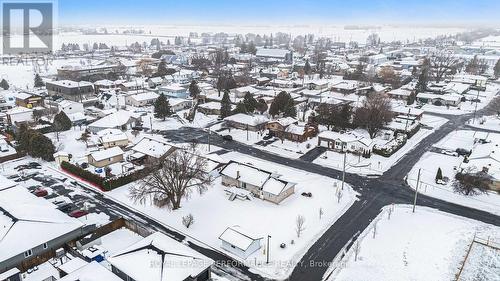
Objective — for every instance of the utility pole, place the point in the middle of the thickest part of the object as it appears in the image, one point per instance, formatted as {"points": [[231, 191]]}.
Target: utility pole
{"points": [[343, 171], [208, 139], [267, 252], [151, 123], [475, 108], [247, 132], [416, 191], [407, 117]]}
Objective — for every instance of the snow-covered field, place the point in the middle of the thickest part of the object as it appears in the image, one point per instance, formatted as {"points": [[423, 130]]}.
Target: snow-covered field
{"points": [[377, 164], [213, 213], [425, 245], [290, 149]]}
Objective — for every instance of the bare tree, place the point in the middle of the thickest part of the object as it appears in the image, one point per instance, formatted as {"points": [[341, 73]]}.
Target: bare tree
{"points": [[299, 225], [188, 220], [320, 213], [468, 182], [374, 114], [443, 63], [389, 76], [172, 179]]}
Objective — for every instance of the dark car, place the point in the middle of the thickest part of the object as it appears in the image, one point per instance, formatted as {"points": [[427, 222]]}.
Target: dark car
{"points": [[227, 137], [307, 194], [66, 207], [34, 165], [267, 137], [463, 152], [78, 213]]}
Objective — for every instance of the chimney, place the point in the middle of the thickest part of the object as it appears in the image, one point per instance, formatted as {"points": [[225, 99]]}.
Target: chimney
{"points": [[237, 174]]}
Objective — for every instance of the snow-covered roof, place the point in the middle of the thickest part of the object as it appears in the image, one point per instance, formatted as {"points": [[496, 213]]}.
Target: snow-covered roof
{"points": [[272, 53], [239, 237], [210, 105], [121, 136], [90, 272], [446, 97], [404, 110], [114, 120], [295, 129], [27, 221], [345, 137], [70, 84], [152, 146], [106, 153], [246, 173], [160, 258], [285, 121], [251, 120], [400, 92], [146, 96]]}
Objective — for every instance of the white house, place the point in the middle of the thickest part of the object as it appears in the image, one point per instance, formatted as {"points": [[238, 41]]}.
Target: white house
{"points": [[346, 142], [121, 119], [239, 241], [19, 114], [173, 90], [141, 99], [70, 107], [177, 104]]}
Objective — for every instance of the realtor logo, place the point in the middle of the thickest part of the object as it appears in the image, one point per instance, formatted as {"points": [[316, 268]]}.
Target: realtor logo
{"points": [[27, 27]]}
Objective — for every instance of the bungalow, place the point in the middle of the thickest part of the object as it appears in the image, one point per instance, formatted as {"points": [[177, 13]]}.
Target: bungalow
{"points": [[154, 82], [106, 157], [242, 91], [408, 111], [31, 229], [346, 142], [19, 115], [446, 99], [476, 81], [318, 85], [70, 107], [346, 86], [288, 128], [150, 148], [486, 157], [141, 99], [177, 104], [246, 122], [173, 90], [121, 119], [158, 257], [210, 108], [399, 94], [239, 241], [262, 184], [112, 137]]}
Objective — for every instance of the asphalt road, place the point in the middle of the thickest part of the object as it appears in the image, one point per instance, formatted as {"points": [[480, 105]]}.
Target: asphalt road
{"points": [[375, 193]]}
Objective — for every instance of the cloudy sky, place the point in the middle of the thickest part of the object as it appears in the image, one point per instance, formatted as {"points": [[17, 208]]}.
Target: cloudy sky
{"points": [[279, 11]]}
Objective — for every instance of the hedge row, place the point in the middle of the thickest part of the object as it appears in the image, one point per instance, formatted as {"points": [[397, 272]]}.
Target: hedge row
{"points": [[102, 183]]}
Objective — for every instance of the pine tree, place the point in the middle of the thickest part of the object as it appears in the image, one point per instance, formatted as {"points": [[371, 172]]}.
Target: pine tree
{"points": [[194, 90], [496, 69], [41, 146], [62, 122], [162, 107], [240, 108], [290, 110], [38, 81], [307, 67], [249, 102], [225, 109], [423, 77], [4, 84], [439, 174]]}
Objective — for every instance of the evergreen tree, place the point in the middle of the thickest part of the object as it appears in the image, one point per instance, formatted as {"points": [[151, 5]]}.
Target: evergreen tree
{"points": [[42, 147], [290, 110], [38, 81], [240, 108], [496, 69], [4, 84], [225, 109], [62, 122], [261, 106], [281, 102], [423, 77], [439, 174], [249, 102], [194, 90], [162, 107], [251, 48], [307, 68]]}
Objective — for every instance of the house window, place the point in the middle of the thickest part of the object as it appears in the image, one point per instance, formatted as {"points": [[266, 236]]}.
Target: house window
{"points": [[244, 185], [28, 253], [45, 246]]}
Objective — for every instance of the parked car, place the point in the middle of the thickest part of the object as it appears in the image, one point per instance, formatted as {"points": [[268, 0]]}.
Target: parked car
{"points": [[463, 152], [449, 152], [78, 213], [267, 137], [40, 192], [227, 137], [307, 194], [66, 207]]}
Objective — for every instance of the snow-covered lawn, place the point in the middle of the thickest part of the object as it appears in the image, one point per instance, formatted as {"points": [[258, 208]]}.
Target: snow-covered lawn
{"points": [[425, 245], [377, 164], [457, 139], [487, 122], [243, 136], [213, 213], [118, 240], [290, 149], [429, 164]]}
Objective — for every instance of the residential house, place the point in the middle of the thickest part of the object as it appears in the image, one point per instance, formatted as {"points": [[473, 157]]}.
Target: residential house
{"points": [[177, 104], [173, 90], [28, 100], [31, 229], [262, 184], [274, 55], [150, 148], [18, 115], [141, 99], [486, 158], [121, 119], [345, 142], [288, 128], [210, 108], [436, 99], [239, 241], [345, 86], [106, 157], [112, 137], [158, 257], [246, 122]]}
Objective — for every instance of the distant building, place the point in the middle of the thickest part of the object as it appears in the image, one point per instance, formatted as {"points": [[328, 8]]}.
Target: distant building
{"points": [[76, 73], [280, 55], [141, 99], [240, 242], [28, 100], [70, 90]]}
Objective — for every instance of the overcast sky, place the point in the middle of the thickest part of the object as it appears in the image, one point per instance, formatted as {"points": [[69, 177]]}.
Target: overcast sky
{"points": [[279, 11]]}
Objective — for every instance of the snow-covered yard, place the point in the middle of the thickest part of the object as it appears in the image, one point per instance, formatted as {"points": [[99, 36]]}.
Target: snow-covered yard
{"points": [[429, 164], [486, 122], [377, 164], [213, 213], [425, 245], [290, 149]]}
